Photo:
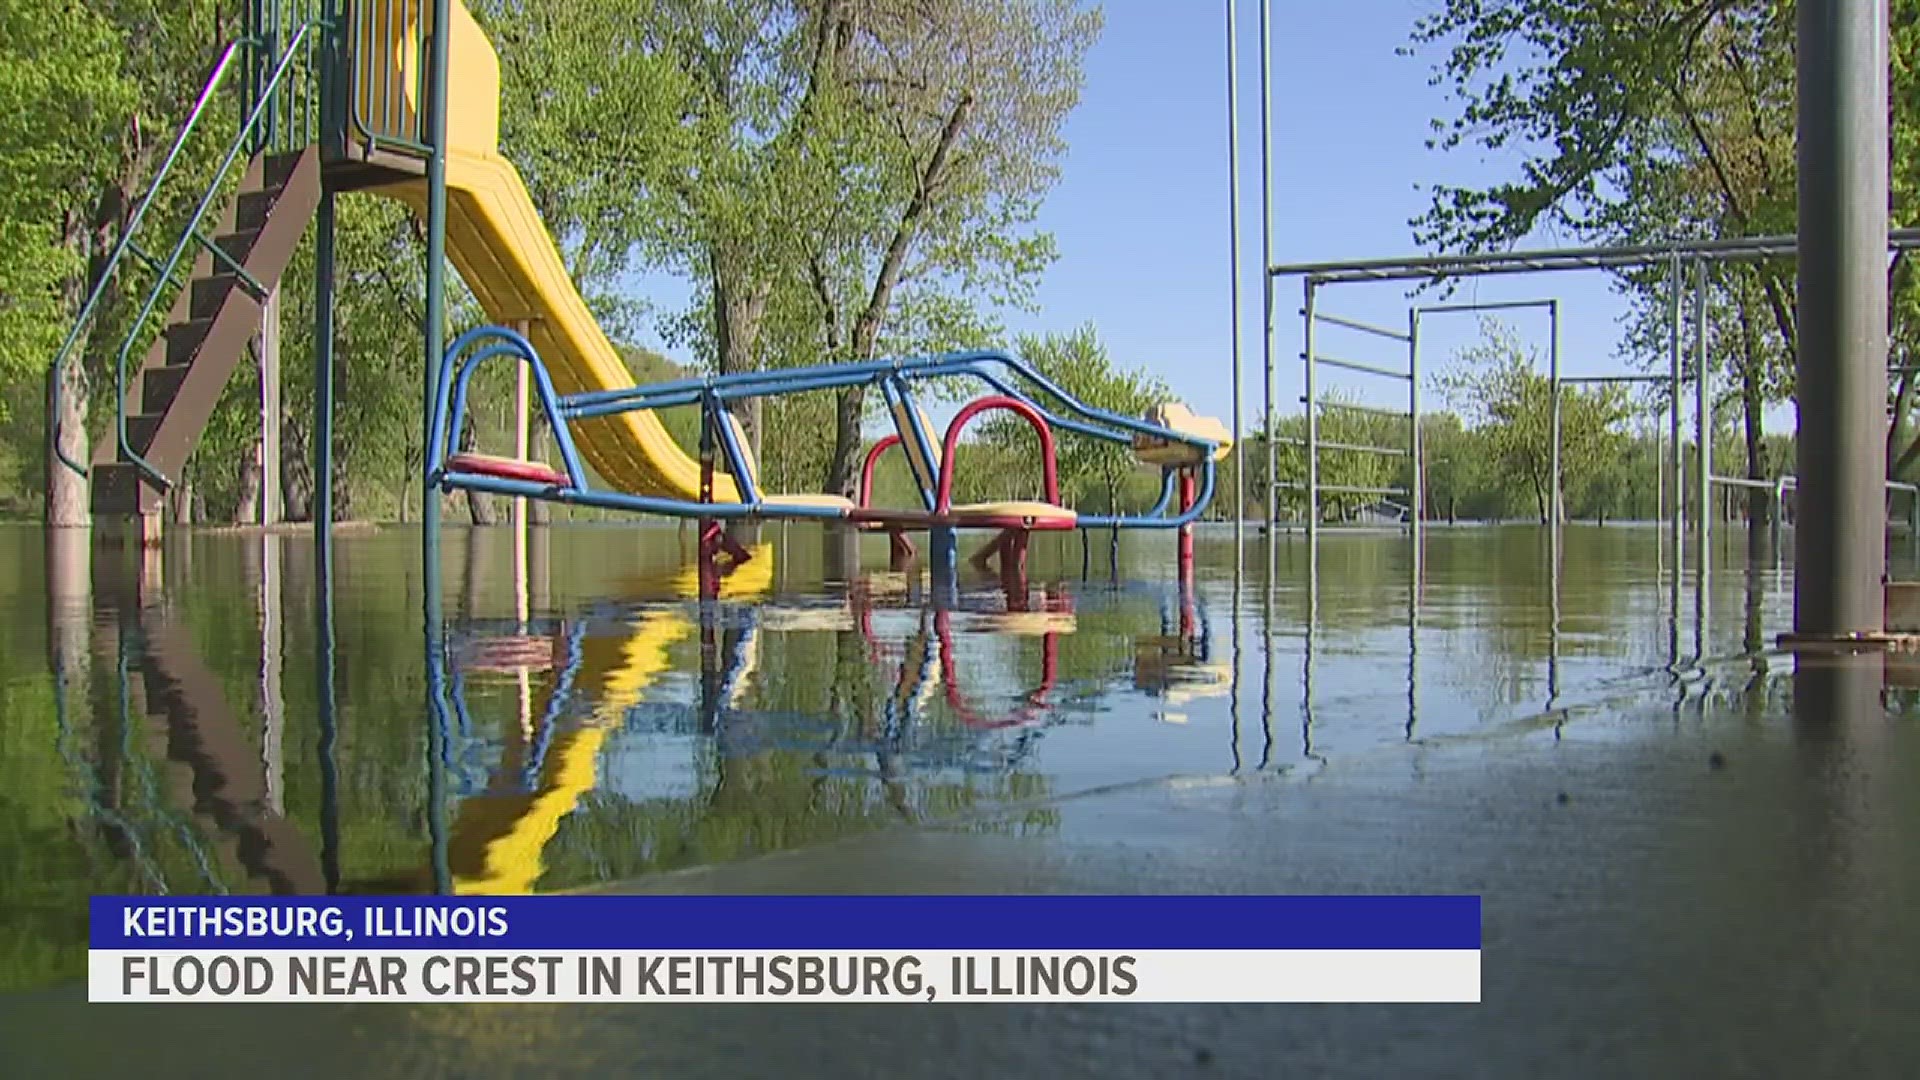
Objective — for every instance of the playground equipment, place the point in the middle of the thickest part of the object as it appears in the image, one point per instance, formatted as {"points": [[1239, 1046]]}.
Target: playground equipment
{"points": [[1183, 446], [1841, 370], [370, 97]]}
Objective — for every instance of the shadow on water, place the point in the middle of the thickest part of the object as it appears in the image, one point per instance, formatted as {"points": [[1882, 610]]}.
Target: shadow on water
{"points": [[241, 713]]}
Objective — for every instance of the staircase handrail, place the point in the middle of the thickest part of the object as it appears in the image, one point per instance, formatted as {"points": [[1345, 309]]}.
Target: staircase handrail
{"points": [[125, 243], [188, 234]]}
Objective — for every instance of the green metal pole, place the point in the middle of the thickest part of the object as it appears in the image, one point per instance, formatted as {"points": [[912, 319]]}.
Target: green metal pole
{"points": [[436, 323], [1842, 360], [323, 340]]}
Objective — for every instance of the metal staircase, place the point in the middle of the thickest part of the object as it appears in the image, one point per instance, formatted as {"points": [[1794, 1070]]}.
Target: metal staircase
{"points": [[194, 301], [171, 395]]}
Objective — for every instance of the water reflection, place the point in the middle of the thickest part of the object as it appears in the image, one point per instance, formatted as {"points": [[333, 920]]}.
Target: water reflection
{"points": [[888, 697], [591, 718]]}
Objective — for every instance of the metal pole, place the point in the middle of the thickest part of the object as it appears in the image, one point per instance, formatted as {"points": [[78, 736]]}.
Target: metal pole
{"points": [[323, 342], [1419, 500], [1659, 473], [323, 274], [436, 322], [1233, 280], [1313, 425], [1554, 509], [1703, 426], [1266, 260], [1841, 371], [1677, 475]]}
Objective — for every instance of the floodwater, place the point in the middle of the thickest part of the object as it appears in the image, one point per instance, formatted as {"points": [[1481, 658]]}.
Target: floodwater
{"points": [[1481, 725]]}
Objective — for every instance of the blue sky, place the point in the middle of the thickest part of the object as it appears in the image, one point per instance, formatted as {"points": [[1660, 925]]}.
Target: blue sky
{"points": [[1140, 213]]}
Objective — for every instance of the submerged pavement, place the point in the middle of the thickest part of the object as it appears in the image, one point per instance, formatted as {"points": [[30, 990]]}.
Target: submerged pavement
{"points": [[1665, 893]]}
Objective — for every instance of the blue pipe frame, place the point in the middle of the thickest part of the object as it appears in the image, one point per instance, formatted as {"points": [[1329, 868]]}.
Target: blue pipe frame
{"points": [[713, 394]]}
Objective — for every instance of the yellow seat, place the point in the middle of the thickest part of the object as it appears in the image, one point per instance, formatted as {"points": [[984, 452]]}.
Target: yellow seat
{"points": [[839, 501], [777, 502], [1174, 416], [1032, 511]]}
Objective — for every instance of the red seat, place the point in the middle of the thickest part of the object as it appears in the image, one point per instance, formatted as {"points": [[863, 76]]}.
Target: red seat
{"points": [[506, 468]]}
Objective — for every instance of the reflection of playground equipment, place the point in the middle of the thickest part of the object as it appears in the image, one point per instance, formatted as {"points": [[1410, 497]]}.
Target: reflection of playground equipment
{"points": [[499, 835], [1177, 665], [220, 779]]}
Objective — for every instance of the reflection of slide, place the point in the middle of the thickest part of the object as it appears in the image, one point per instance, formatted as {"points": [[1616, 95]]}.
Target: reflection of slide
{"points": [[497, 242], [498, 842]]}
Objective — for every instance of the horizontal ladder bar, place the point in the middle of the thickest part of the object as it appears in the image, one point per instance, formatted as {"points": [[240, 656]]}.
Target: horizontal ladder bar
{"points": [[1616, 378], [1345, 489], [1289, 440], [1365, 328], [1351, 407], [1490, 305], [1355, 365], [1794, 483]]}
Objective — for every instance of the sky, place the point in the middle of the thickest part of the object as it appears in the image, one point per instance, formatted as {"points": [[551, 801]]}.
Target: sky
{"points": [[1140, 215]]}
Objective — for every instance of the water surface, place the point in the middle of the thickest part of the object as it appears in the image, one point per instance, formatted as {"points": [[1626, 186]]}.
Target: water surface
{"points": [[591, 721]]}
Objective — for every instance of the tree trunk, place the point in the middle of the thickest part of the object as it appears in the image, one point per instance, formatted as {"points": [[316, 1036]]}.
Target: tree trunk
{"points": [[66, 490], [539, 511], [479, 503], [68, 502], [246, 511], [343, 449], [182, 499], [843, 466], [296, 473], [738, 308]]}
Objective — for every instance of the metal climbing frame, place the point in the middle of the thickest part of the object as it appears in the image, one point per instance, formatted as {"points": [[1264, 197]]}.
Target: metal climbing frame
{"points": [[1677, 257], [1313, 358]]}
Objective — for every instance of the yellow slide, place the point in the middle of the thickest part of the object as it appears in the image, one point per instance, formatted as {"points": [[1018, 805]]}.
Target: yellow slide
{"points": [[505, 255], [498, 841]]}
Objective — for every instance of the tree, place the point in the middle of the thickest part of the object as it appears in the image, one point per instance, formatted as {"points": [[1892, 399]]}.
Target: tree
{"points": [[937, 136], [93, 93], [1079, 363], [1497, 385], [1649, 121]]}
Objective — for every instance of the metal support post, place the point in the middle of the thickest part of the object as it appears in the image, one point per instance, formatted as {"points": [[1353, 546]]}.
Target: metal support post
{"points": [[1703, 427], [1313, 423], [1841, 370], [323, 358], [1555, 511], [1419, 463], [435, 318], [1266, 281], [1233, 280], [1677, 474]]}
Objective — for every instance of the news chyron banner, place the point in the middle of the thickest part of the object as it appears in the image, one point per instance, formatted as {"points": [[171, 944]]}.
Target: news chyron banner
{"points": [[911, 949]]}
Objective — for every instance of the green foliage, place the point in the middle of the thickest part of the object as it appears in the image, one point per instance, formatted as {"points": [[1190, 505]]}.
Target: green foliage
{"points": [[1498, 385], [63, 98], [1647, 121], [1093, 473]]}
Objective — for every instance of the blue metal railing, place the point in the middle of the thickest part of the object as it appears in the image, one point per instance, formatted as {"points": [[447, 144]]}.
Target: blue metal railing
{"points": [[712, 394]]}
